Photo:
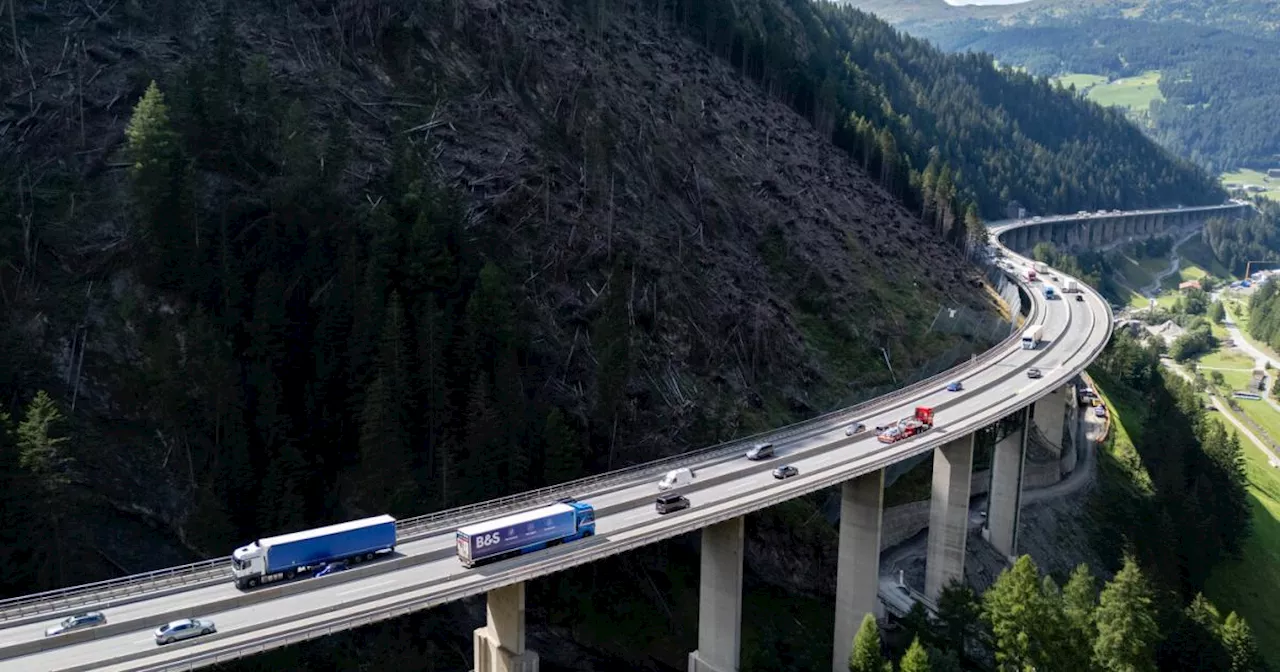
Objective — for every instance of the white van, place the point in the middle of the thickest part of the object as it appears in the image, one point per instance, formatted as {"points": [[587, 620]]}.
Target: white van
{"points": [[676, 478], [760, 451]]}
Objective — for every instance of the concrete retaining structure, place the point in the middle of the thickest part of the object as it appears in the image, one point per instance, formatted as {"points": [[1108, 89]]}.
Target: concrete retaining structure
{"points": [[904, 521]]}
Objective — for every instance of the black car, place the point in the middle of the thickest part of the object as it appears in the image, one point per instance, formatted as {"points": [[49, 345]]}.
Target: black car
{"points": [[1079, 297], [670, 502], [785, 471]]}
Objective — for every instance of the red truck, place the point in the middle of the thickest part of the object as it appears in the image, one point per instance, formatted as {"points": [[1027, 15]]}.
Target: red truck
{"points": [[906, 428]]}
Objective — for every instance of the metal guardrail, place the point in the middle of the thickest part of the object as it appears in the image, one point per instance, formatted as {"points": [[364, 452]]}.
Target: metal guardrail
{"points": [[211, 571]]}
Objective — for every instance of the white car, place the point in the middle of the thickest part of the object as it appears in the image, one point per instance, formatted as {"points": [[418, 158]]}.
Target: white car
{"points": [[183, 629], [855, 428]]}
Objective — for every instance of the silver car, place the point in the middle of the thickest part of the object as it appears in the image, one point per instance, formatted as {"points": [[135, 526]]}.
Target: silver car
{"points": [[183, 629], [77, 622]]}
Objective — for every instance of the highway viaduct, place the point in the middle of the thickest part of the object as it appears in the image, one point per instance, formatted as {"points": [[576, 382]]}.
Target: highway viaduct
{"points": [[424, 572], [1095, 229]]}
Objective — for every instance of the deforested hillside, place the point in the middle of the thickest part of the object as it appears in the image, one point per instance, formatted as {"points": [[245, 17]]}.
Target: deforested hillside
{"points": [[277, 264]]}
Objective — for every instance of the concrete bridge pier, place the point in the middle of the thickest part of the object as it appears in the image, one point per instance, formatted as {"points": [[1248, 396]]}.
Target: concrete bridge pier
{"points": [[1051, 416], [948, 514], [858, 571], [720, 599], [1005, 499], [499, 645]]}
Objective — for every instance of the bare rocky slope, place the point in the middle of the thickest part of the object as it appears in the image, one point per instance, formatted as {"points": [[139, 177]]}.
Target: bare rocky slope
{"points": [[767, 269]]}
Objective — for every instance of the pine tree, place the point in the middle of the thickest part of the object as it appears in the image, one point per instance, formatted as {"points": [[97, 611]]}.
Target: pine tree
{"points": [[959, 615], [889, 158], [1079, 602], [611, 340], [158, 181], [1237, 638], [22, 555], [975, 230], [563, 449], [1026, 621], [42, 449], [1127, 629], [866, 656], [284, 493], [1195, 643], [916, 659], [387, 465]]}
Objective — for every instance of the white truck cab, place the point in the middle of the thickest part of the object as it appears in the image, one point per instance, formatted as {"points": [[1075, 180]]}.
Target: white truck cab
{"points": [[676, 478], [248, 561]]}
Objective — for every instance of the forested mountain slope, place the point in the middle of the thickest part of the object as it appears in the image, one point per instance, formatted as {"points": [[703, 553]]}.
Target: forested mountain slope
{"points": [[353, 257], [357, 256], [1217, 85]]}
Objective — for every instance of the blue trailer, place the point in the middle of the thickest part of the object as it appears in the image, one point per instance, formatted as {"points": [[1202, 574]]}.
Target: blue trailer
{"points": [[286, 555], [525, 532]]}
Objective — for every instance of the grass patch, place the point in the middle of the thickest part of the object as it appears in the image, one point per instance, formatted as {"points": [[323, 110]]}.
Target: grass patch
{"points": [[1081, 81], [1227, 358], [1250, 586], [1195, 252], [1246, 176], [1127, 416], [1134, 93], [1235, 366], [1130, 272]]}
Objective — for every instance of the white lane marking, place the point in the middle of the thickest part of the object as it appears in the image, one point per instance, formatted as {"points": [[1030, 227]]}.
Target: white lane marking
{"points": [[368, 587]]}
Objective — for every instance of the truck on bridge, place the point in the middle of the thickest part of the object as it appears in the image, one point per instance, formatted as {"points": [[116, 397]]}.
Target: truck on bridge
{"points": [[906, 428], [525, 532], [286, 555], [1032, 336]]}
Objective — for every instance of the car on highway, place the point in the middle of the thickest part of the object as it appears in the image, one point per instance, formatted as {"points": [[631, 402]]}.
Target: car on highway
{"points": [[760, 451], [1100, 412], [77, 622], [1080, 297], [954, 386], [332, 568], [855, 428], [185, 628], [785, 471], [670, 502], [1034, 373]]}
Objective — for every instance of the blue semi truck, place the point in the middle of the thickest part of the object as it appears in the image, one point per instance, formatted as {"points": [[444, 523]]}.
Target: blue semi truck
{"points": [[287, 555], [525, 532]]}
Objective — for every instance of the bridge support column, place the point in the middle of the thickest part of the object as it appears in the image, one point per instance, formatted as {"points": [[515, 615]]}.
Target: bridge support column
{"points": [[1005, 499], [1050, 416], [499, 645], [720, 599], [948, 515], [858, 571]]}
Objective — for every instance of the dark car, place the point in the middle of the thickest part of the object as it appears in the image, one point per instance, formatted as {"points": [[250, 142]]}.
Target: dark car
{"points": [[785, 471], [1034, 373], [670, 502], [954, 386], [76, 622], [332, 568], [1079, 297]]}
